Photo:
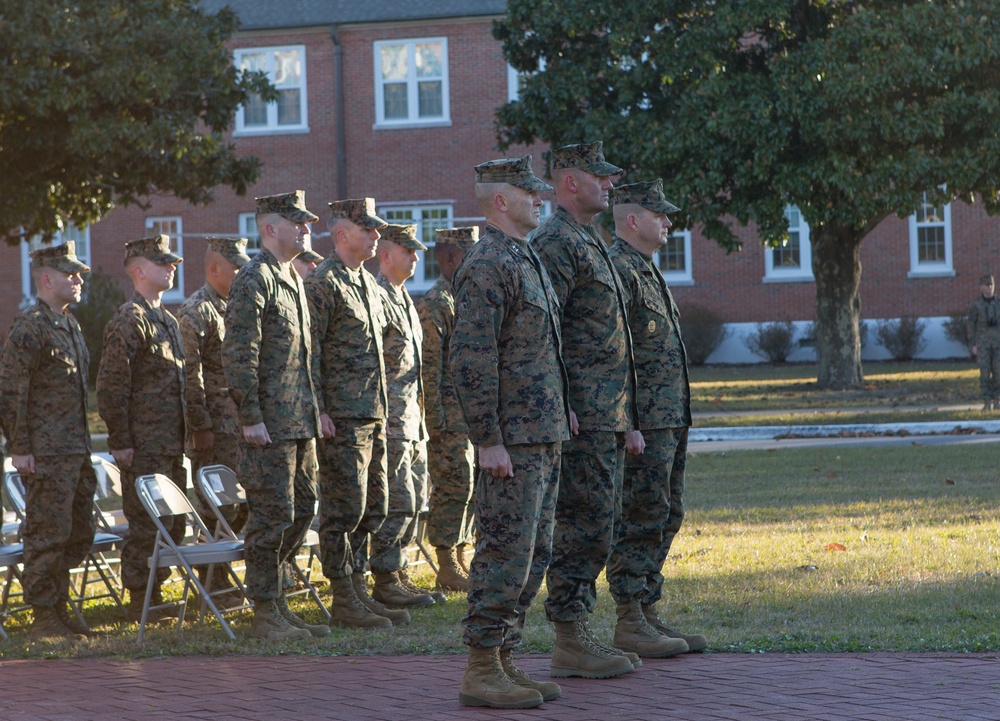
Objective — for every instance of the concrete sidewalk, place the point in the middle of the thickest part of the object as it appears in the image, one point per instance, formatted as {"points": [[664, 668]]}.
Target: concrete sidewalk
{"points": [[706, 687]]}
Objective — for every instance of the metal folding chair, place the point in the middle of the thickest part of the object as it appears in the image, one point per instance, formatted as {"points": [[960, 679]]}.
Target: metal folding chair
{"points": [[221, 487], [11, 559], [162, 498]]}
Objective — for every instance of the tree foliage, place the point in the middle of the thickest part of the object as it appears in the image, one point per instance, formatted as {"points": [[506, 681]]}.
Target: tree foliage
{"points": [[106, 102], [851, 111]]}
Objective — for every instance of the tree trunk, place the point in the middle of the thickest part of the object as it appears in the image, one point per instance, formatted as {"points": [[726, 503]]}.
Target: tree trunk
{"points": [[837, 268]]}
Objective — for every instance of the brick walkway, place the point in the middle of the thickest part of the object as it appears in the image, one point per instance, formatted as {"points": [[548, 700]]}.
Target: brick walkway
{"points": [[710, 687]]}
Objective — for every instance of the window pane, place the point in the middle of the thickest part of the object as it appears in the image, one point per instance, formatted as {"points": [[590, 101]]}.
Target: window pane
{"points": [[393, 62], [430, 99], [394, 96], [429, 60], [248, 230], [672, 255], [287, 68], [398, 217], [788, 255], [253, 61], [289, 107], [930, 244], [431, 220], [255, 111]]}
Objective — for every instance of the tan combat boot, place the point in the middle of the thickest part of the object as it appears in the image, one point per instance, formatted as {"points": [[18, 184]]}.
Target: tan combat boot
{"points": [[695, 641], [315, 629], [633, 633], [391, 591], [398, 616], [547, 689], [70, 621], [133, 614], [575, 654], [633, 657], [485, 683], [348, 610], [270, 625], [46, 624], [407, 582], [450, 575]]}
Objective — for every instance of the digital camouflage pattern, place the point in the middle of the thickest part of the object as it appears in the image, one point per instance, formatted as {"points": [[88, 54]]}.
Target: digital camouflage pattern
{"points": [[347, 326], [647, 194], [596, 341], [663, 392], [407, 487], [983, 327], [288, 205], [402, 352], [505, 349], [442, 410], [43, 384], [464, 237], [140, 383], [588, 157], [513, 546], [451, 461], [402, 235], [59, 257], [513, 171], [268, 354], [155, 248], [360, 211], [232, 249]]}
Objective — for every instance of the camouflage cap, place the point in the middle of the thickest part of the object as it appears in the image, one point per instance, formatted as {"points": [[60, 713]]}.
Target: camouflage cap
{"points": [[232, 249], [360, 211], [59, 257], [310, 256], [155, 248], [647, 194], [404, 235], [464, 238], [588, 157], [287, 205], [514, 171]]}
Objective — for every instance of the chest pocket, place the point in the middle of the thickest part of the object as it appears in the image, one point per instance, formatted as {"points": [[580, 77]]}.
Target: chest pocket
{"points": [[654, 302], [61, 362]]}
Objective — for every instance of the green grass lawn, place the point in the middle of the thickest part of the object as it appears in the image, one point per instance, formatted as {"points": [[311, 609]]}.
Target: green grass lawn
{"points": [[755, 567]]}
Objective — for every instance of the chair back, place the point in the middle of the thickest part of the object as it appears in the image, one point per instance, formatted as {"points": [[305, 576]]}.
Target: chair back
{"points": [[220, 487], [161, 498]]}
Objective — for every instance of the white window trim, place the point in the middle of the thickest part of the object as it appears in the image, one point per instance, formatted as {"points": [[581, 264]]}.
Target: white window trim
{"points": [[27, 297], [678, 277], [175, 294], [513, 84], [248, 230], [272, 128], [411, 86], [803, 273], [931, 270], [418, 284]]}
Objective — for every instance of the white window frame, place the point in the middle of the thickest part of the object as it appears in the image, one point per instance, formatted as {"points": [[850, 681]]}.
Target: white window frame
{"points": [[782, 274], [919, 269], [678, 277], [513, 84], [175, 294], [419, 282], [272, 127], [248, 230], [413, 120], [83, 252]]}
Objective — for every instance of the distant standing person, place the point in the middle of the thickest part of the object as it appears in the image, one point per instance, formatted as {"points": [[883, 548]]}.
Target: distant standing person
{"points": [[983, 327], [652, 497], [305, 262], [43, 412], [141, 397], [450, 454]]}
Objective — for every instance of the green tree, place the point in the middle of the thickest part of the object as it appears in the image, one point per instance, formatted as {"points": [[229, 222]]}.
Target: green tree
{"points": [[851, 111], [106, 102]]}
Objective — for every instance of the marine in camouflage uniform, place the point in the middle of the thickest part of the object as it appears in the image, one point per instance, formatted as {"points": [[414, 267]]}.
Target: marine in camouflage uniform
{"points": [[140, 396], [598, 356], [43, 413], [348, 323], [212, 425], [983, 327], [510, 381], [449, 451], [652, 497], [406, 446]]}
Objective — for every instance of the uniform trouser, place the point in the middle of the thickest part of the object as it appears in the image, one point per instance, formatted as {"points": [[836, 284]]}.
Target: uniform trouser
{"points": [[353, 491], [988, 357], [280, 481], [589, 506], [225, 452], [407, 480], [513, 546], [452, 469], [59, 525], [652, 513], [140, 538]]}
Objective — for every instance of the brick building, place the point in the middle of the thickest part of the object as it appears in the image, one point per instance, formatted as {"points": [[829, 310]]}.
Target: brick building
{"points": [[396, 99]]}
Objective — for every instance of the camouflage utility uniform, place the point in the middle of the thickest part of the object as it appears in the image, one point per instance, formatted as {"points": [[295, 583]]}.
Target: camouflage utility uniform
{"points": [[348, 323], [983, 328], [140, 396], [598, 356], [652, 506], [268, 360], [43, 412], [450, 454], [505, 355]]}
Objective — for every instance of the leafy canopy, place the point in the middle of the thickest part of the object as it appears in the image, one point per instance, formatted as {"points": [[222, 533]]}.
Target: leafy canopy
{"points": [[106, 102], [849, 110]]}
